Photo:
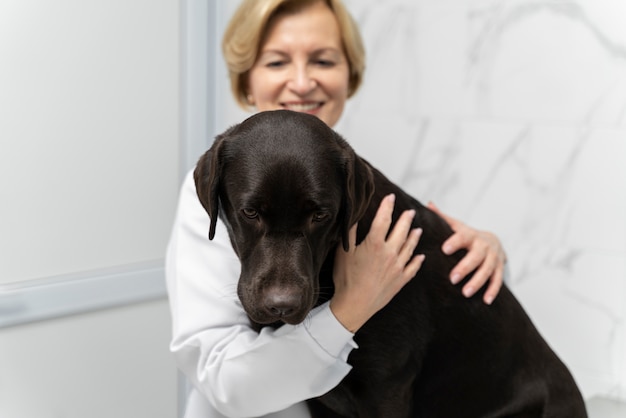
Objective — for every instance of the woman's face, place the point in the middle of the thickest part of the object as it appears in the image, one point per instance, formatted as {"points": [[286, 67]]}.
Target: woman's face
{"points": [[302, 66]]}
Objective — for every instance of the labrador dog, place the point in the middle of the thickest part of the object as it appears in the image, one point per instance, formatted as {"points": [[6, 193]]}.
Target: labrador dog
{"points": [[288, 189]]}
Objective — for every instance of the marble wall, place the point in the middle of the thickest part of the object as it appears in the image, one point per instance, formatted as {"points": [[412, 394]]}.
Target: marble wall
{"points": [[511, 115]]}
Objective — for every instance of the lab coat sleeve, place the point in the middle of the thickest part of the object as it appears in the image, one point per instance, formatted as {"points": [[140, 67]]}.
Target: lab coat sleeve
{"points": [[241, 372]]}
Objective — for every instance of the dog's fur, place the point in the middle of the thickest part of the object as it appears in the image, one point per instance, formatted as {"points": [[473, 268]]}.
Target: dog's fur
{"points": [[288, 189]]}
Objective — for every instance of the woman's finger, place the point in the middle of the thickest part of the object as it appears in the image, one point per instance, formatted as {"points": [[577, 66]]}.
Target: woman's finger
{"points": [[481, 275], [495, 284], [406, 252], [474, 258], [382, 220], [399, 234]]}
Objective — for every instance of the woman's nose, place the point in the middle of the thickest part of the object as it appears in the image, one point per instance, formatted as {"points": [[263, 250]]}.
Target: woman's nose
{"points": [[301, 82]]}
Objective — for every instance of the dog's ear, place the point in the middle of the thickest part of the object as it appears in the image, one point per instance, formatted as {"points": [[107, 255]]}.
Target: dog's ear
{"points": [[359, 188], [207, 176]]}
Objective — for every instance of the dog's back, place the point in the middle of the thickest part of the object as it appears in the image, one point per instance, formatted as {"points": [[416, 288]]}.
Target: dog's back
{"points": [[446, 355]]}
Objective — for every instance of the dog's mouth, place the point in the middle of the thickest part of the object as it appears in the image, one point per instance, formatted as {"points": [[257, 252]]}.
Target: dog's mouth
{"points": [[274, 317], [277, 320]]}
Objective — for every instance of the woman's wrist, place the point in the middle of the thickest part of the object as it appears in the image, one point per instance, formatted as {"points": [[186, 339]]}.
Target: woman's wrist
{"points": [[346, 314]]}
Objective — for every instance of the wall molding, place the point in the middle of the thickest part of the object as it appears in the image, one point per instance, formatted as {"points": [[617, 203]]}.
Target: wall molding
{"points": [[71, 294], [199, 48]]}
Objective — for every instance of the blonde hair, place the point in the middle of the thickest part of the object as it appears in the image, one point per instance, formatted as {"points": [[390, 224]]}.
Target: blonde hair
{"points": [[248, 27]]}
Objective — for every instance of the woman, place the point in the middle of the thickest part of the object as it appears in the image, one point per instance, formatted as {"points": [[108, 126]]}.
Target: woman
{"points": [[305, 56]]}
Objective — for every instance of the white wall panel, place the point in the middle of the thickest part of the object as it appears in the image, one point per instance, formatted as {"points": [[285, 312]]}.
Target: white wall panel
{"points": [[88, 132], [100, 365]]}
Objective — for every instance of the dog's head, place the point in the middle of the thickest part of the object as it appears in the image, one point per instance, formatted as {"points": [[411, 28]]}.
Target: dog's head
{"points": [[288, 189]]}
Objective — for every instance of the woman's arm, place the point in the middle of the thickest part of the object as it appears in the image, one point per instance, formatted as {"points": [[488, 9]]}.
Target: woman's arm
{"points": [[484, 254]]}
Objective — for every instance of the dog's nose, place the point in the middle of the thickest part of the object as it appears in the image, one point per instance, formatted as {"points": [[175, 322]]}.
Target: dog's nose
{"points": [[281, 303]]}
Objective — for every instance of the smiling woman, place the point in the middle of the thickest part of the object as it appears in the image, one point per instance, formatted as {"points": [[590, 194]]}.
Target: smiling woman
{"points": [[304, 56], [447, 113]]}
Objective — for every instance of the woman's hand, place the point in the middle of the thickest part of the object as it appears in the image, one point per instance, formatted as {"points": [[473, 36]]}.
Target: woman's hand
{"points": [[369, 275], [484, 254]]}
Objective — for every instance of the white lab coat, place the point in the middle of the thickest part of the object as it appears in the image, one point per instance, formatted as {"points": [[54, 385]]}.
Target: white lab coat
{"points": [[236, 372]]}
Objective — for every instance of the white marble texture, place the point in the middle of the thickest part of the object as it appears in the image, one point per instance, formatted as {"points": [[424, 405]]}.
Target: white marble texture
{"points": [[511, 115]]}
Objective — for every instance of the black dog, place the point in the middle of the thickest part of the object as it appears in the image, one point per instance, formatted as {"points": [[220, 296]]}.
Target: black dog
{"points": [[289, 189]]}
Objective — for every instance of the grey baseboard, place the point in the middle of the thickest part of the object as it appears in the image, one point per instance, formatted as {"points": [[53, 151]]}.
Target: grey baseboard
{"points": [[53, 297]]}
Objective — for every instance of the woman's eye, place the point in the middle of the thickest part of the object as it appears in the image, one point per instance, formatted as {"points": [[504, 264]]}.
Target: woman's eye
{"points": [[250, 213], [325, 63], [275, 64]]}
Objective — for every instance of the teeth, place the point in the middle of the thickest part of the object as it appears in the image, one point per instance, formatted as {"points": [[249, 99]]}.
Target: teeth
{"points": [[302, 107]]}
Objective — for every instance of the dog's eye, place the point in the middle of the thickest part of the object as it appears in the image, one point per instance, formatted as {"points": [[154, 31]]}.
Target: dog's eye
{"points": [[320, 216], [250, 213]]}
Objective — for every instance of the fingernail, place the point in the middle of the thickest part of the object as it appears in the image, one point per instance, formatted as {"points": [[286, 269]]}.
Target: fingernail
{"points": [[447, 250], [416, 235], [455, 278], [488, 300], [468, 291]]}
